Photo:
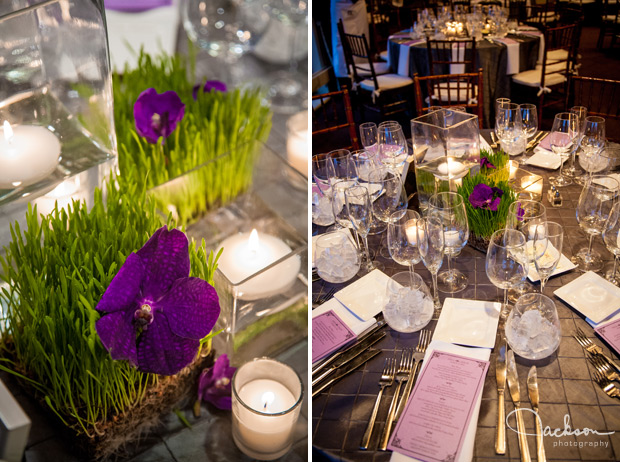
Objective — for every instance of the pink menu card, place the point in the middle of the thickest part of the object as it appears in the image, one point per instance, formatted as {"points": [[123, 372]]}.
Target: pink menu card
{"points": [[434, 422], [329, 333], [611, 333]]}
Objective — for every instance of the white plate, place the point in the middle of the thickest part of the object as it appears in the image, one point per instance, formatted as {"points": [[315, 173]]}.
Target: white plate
{"points": [[468, 322], [366, 297], [564, 265], [591, 295], [545, 159]]}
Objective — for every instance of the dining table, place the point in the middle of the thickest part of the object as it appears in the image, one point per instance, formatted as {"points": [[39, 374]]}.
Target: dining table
{"points": [[499, 59], [570, 400]]}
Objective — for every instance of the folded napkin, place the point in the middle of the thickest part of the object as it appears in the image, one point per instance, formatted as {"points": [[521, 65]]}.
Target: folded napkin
{"points": [[512, 67], [484, 145], [467, 452], [356, 325], [404, 51], [135, 6], [366, 297]]}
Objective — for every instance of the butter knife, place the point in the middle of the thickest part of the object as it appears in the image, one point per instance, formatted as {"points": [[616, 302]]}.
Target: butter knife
{"points": [[350, 354], [532, 144], [515, 393], [348, 368], [500, 377], [532, 389]]}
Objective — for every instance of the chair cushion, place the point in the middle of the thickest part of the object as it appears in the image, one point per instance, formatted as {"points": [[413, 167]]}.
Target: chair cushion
{"points": [[384, 55], [363, 70], [387, 82], [532, 77], [557, 55]]}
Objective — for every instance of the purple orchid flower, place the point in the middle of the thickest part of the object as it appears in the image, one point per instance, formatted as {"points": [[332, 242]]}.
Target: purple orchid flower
{"points": [[214, 384], [520, 212], [157, 314], [485, 197], [157, 115], [210, 85], [486, 163]]}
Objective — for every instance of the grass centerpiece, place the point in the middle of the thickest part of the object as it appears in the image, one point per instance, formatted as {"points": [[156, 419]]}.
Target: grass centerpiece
{"points": [[167, 126], [105, 330], [495, 165], [486, 203]]}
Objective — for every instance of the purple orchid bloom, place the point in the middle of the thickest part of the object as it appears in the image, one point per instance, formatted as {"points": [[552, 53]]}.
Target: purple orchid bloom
{"points": [[520, 212], [157, 314], [157, 115], [484, 197], [210, 85], [214, 384], [486, 163]]}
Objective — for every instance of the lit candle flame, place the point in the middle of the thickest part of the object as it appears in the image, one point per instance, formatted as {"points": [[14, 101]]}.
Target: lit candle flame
{"points": [[253, 242], [8, 131], [268, 398]]}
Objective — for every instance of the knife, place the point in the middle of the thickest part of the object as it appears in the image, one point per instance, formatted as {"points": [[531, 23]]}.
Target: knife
{"points": [[532, 389], [532, 144], [500, 378], [515, 393], [350, 367], [351, 354], [326, 362]]}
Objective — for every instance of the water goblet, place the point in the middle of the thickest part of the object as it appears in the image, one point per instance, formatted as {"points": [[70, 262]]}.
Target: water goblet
{"points": [[392, 145], [431, 245], [564, 134], [403, 239], [509, 129], [506, 262], [338, 203], [368, 137], [389, 194], [340, 166], [529, 118], [611, 238], [449, 208], [592, 145], [409, 306], [337, 258], [547, 249], [359, 209]]}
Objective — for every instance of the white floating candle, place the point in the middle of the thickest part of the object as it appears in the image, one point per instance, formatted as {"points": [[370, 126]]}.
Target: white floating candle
{"points": [[451, 168], [411, 230], [451, 239], [28, 154], [297, 142]]}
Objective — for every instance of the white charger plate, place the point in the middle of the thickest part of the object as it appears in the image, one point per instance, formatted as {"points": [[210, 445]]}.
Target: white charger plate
{"points": [[591, 295], [468, 322]]}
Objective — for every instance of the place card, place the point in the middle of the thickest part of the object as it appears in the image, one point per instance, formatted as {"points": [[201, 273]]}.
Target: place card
{"points": [[329, 333], [434, 423], [611, 333]]}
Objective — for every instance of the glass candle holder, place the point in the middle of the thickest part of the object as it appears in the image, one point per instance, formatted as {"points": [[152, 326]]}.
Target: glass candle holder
{"points": [[266, 402]]}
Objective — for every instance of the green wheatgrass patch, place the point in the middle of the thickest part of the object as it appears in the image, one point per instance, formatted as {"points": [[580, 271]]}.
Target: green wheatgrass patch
{"points": [[482, 222], [501, 172], [216, 123], [57, 269]]}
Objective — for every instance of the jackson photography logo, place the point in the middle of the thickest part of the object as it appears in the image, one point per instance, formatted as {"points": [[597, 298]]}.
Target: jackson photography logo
{"points": [[560, 432]]}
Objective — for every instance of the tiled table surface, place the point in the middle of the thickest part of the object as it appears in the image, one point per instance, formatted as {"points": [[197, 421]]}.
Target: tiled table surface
{"points": [[340, 413]]}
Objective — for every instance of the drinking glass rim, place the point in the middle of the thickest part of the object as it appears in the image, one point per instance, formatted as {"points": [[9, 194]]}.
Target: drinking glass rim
{"points": [[446, 193], [504, 230]]}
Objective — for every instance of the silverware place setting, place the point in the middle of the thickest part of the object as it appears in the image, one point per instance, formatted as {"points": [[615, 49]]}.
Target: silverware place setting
{"points": [[592, 348]]}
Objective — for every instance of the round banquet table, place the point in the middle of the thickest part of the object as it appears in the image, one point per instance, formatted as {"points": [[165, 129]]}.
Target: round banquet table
{"points": [[341, 412]]}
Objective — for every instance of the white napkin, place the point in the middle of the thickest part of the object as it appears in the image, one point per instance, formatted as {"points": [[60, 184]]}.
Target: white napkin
{"points": [[403, 60], [532, 31], [609, 184], [545, 159], [155, 30], [366, 297], [512, 66], [467, 452], [355, 324], [484, 146]]}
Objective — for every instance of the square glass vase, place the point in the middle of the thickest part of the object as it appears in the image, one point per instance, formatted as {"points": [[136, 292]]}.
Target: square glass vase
{"points": [[262, 277], [446, 145], [57, 138]]}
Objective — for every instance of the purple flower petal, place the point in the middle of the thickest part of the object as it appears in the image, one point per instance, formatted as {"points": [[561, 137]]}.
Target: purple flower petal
{"points": [[214, 85], [157, 115], [497, 192], [486, 163], [214, 384], [118, 335], [166, 258], [125, 287], [162, 352], [191, 307], [481, 195], [493, 205], [195, 89]]}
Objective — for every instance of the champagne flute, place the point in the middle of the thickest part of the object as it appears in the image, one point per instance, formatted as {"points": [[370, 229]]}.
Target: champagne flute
{"points": [[431, 245], [593, 210], [506, 263], [564, 134], [592, 145], [548, 241], [403, 239], [611, 238], [499, 102], [529, 117], [449, 208], [581, 112], [392, 145], [368, 137], [359, 209]]}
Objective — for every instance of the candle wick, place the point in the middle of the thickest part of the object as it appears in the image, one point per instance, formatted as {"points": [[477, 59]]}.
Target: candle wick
{"points": [[265, 406]]}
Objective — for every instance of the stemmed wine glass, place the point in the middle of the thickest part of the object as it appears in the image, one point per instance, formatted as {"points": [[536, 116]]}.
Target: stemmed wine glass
{"points": [[365, 164], [548, 241], [581, 112], [368, 138], [403, 239], [322, 213], [389, 197], [340, 166], [499, 102], [449, 208], [359, 209], [431, 245], [564, 134], [509, 129], [611, 238], [525, 216], [529, 118], [506, 263], [392, 145], [592, 145], [338, 203], [593, 210]]}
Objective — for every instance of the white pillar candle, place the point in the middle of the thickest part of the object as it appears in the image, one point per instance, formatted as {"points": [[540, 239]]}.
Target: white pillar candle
{"points": [[451, 239], [246, 254], [411, 230], [297, 142], [514, 166], [28, 154], [451, 169]]}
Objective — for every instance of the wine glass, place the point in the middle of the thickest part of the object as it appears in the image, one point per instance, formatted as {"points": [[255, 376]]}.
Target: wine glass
{"points": [[341, 215], [431, 245], [365, 164], [564, 134], [389, 194], [529, 117], [581, 112], [592, 145], [340, 166], [403, 239], [368, 137], [509, 129], [449, 208], [392, 145], [525, 216], [359, 209], [322, 213], [611, 238], [547, 250], [506, 263], [499, 102], [593, 210]]}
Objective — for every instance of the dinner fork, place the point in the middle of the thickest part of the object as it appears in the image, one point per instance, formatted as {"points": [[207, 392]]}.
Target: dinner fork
{"points": [[592, 348], [607, 386], [423, 341], [386, 380], [325, 297], [602, 366], [404, 369]]}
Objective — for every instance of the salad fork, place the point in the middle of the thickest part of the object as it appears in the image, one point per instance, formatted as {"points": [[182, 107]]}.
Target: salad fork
{"points": [[603, 367], [423, 341], [386, 380], [607, 386], [404, 369], [592, 348]]}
